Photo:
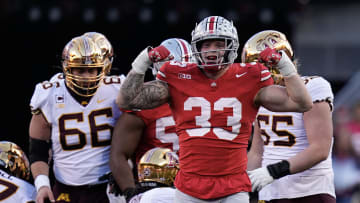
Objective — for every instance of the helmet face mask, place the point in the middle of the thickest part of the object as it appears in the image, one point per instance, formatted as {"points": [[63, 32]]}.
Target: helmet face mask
{"points": [[83, 53], [215, 28], [262, 40], [180, 49], [13, 160], [158, 165]]}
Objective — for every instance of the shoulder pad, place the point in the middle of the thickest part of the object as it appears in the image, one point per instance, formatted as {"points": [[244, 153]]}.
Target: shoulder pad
{"points": [[42, 92], [319, 88]]}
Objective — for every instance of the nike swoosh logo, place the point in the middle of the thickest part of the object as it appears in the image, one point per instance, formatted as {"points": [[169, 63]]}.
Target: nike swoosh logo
{"points": [[100, 100], [239, 75]]}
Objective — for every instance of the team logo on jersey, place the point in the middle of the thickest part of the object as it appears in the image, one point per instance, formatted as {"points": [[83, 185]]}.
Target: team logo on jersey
{"points": [[240, 75], [100, 101], [184, 76], [63, 197], [59, 99]]}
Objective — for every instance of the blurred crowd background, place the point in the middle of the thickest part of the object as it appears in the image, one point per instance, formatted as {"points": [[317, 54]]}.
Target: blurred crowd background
{"points": [[324, 35]]}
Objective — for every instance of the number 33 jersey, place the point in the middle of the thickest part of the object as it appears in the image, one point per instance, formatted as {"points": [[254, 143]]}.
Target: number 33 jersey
{"points": [[285, 136], [80, 135], [213, 121]]}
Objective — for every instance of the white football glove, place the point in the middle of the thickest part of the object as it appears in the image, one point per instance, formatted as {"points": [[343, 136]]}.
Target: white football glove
{"points": [[286, 66], [142, 62], [259, 178]]}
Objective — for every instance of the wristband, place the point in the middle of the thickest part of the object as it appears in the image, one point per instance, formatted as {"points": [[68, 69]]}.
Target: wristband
{"points": [[279, 169], [40, 181], [286, 66], [142, 62]]}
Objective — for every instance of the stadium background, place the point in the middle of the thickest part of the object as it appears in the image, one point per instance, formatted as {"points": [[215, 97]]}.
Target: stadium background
{"points": [[324, 35]]}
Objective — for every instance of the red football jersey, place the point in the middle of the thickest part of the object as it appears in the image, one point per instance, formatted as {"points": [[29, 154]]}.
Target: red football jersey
{"points": [[159, 131], [213, 122]]}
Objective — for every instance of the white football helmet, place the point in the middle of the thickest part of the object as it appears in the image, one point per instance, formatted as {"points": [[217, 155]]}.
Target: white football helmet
{"points": [[215, 27], [180, 49]]}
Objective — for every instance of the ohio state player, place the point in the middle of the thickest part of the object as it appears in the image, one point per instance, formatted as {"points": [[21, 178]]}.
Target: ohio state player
{"points": [[214, 104], [136, 132]]}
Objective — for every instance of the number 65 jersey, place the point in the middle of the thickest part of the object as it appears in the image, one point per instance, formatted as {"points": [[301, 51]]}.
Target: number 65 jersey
{"points": [[80, 135], [285, 136]]}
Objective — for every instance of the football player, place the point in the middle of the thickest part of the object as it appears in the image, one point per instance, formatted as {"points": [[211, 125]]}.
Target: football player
{"points": [[14, 175], [214, 103], [157, 169], [136, 132], [77, 114], [292, 149]]}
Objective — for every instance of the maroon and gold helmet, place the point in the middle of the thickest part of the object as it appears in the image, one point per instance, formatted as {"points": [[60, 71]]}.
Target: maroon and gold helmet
{"points": [[83, 52], [158, 165], [262, 40], [14, 160], [105, 47]]}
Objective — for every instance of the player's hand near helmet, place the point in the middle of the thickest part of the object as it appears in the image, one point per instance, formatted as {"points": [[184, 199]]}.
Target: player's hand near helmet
{"points": [[278, 60], [148, 56]]}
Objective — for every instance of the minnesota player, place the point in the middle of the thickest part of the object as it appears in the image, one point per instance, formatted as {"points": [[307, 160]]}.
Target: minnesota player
{"points": [[157, 169], [136, 132], [14, 175], [77, 115], [214, 103], [295, 145]]}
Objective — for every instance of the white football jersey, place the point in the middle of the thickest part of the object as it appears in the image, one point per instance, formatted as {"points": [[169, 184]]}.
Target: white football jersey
{"points": [[81, 135], [13, 189], [284, 136]]}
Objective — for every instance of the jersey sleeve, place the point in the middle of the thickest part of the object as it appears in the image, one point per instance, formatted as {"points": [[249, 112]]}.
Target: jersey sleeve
{"points": [[319, 90], [265, 76], [39, 97], [163, 72], [57, 77]]}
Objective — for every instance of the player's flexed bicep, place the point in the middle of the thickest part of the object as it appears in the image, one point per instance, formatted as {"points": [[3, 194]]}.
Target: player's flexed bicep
{"points": [[134, 94]]}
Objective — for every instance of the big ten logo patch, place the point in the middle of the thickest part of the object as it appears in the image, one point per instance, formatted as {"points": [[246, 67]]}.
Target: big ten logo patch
{"points": [[184, 76]]}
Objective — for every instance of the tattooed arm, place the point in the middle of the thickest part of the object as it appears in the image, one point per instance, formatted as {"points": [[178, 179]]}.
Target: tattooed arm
{"points": [[135, 94]]}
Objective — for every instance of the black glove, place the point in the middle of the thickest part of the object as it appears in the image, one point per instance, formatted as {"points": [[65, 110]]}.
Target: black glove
{"points": [[130, 193], [114, 188]]}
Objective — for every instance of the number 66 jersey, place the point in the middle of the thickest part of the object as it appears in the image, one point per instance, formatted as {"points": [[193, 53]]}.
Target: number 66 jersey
{"points": [[80, 135]]}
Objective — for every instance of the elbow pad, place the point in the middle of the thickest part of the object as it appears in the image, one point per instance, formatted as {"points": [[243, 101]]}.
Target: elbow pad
{"points": [[39, 150]]}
